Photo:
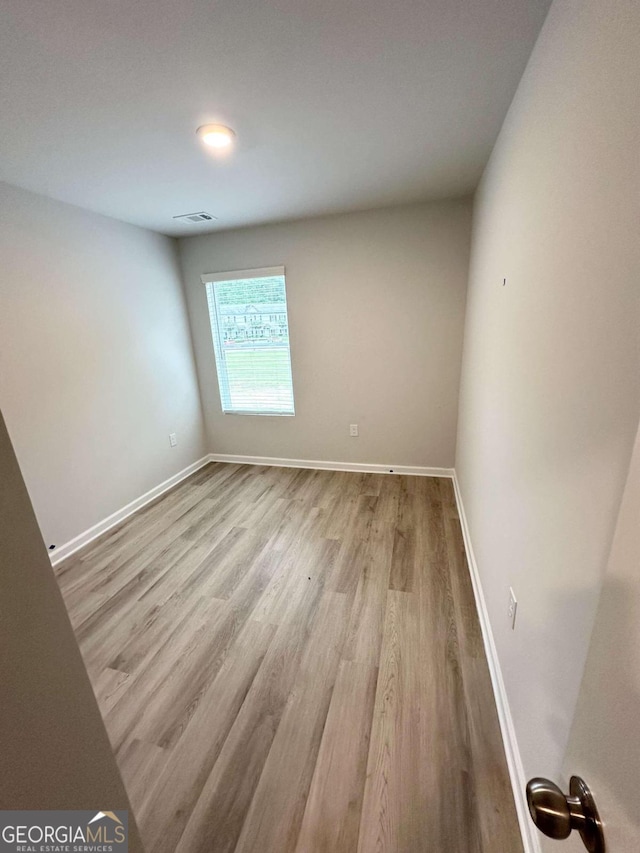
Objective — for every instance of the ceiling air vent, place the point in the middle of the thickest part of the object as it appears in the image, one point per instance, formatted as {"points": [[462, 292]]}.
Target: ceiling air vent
{"points": [[200, 216]]}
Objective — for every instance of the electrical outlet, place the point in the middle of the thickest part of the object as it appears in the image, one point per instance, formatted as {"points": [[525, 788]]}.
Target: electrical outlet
{"points": [[173, 439], [353, 430], [513, 608]]}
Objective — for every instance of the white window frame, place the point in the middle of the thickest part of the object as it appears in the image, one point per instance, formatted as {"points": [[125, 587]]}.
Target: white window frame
{"points": [[231, 275]]}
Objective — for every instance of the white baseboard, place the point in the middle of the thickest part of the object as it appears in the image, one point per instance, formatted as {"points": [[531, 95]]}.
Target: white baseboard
{"points": [[106, 524], [530, 837], [365, 467]]}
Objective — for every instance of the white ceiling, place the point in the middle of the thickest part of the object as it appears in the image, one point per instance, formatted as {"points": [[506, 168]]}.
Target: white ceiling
{"points": [[338, 104]]}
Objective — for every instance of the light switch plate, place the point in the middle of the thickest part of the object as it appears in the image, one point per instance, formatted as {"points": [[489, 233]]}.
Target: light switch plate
{"points": [[513, 608]]}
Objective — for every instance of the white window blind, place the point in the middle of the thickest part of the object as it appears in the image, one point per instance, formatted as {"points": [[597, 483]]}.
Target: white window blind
{"points": [[250, 331]]}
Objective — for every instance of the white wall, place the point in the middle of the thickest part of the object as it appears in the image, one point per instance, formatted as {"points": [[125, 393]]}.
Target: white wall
{"points": [[96, 362], [376, 313], [550, 396]]}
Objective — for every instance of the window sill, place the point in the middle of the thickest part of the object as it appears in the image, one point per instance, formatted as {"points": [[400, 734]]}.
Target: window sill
{"points": [[262, 414]]}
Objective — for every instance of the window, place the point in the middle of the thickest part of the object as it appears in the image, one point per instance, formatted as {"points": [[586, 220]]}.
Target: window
{"points": [[253, 364]]}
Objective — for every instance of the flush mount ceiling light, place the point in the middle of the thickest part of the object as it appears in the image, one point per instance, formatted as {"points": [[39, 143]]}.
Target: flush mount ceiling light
{"points": [[216, 135]]}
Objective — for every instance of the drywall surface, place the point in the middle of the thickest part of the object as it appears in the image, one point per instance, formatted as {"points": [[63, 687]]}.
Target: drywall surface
{"points": [[376, 313], [54, 747], [604, 747], [550, 396], [96, 362]]}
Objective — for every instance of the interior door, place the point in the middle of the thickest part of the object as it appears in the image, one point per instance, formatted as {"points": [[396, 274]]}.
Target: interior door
{"points": [[604, 746]]}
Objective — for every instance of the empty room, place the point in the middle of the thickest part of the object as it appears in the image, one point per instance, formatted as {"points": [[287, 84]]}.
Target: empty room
{"points": [[319, 433]]}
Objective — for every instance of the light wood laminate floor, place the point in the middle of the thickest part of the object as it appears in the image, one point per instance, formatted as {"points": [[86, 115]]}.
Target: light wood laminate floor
{"points": [[290, 661]]}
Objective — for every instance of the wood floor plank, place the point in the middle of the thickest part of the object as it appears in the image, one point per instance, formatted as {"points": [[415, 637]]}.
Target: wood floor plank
{"points": [[141, 764], [163, 815], [141, 534], [393, 816], [162, 681], [351, 559], [306, 563], [388, 499], [366, 619], [492, 797], [274, 817], [222, 807], [332, 815], [469, 633], [290, 661], [444, 722], [404, 560], [108, 686]]}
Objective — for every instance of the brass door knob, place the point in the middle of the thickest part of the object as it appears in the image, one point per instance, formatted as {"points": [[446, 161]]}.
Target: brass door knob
{"points": [[556, 814]]}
